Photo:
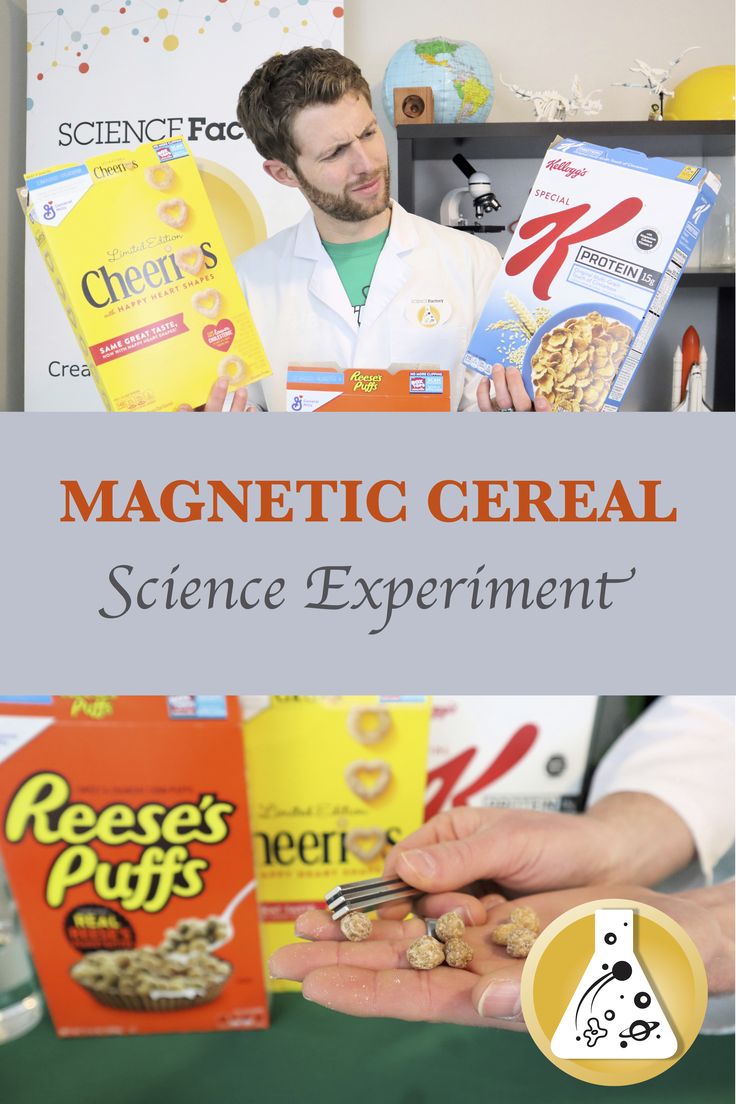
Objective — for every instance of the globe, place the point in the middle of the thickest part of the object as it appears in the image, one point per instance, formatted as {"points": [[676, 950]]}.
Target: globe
{"points": [[458, 73]]}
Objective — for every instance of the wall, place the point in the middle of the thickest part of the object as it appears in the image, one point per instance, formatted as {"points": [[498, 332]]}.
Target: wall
{"points": [[537, 44], [531, 43]]}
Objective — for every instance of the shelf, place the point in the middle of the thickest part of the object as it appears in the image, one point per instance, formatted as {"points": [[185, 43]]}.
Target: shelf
{"points": [[708, 277], [437, 142]]}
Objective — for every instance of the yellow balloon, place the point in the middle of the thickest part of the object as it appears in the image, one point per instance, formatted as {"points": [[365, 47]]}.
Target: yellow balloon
{"points": [[707, 94]]}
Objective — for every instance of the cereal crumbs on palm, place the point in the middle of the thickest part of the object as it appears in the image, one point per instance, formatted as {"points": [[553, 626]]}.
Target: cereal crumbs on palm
{"points": [[520, 942], [356, 926], [458, 953], [425, 953], [449, 926]]}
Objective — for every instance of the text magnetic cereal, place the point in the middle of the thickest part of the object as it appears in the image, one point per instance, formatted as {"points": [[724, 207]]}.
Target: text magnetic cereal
{"points": [[125, 844], [142, 272], [594, 260]]}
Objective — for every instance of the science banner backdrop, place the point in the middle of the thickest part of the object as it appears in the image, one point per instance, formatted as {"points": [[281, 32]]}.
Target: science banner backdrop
{"points": [[111, 75]]}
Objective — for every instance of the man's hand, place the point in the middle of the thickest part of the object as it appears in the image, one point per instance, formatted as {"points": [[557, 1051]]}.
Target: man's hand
{"points": [[510, 393], [632, 837], [217, 396], [373, 979]]}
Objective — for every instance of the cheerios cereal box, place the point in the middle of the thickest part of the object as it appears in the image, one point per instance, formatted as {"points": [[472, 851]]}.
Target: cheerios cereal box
{"points": [[127, 843], [594, 260], [142, 272], [334, 783]]}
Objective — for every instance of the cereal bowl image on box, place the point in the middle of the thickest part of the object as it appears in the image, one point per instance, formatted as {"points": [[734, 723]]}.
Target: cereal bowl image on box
{"points": [[574, 357]]}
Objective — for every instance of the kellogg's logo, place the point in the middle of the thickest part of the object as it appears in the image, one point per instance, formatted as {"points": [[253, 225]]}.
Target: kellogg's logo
{"points": [[565, 167]]}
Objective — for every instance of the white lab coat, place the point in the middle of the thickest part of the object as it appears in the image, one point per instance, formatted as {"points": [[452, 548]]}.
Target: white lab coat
{"points": [[304, 316], [681, 750]]}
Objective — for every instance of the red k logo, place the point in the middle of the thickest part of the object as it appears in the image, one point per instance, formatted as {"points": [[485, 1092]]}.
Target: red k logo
{"points": [[558, 222], [448, 776]]}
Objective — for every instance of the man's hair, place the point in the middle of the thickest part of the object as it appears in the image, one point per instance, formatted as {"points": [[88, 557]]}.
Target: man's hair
{"points": [[284, 85]]}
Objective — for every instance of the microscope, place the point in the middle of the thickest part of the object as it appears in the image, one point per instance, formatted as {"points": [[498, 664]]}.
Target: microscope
{"points": [[484, 201]]}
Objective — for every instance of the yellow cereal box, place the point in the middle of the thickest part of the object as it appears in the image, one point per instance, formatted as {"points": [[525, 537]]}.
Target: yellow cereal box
{"points": [[142, 272], [334, 783]]}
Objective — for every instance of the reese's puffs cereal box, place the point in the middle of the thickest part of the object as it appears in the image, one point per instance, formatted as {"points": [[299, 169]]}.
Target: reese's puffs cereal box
{"points": [[142, 272], [327, 388], [334, 783], [127, 846], [594, 260]]}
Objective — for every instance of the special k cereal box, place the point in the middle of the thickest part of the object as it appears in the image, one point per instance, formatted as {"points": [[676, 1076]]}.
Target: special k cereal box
{"points": [[326, 388], [510, 752], [592, 265], [142, 272], [334, 783], [127, 844]]}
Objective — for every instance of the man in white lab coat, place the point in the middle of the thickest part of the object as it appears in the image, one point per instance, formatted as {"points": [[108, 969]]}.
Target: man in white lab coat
{"points": [[359, 281]]}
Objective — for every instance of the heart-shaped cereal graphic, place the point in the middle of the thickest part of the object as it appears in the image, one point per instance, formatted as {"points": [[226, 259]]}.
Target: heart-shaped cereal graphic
{"points": [[368, 726], [220, 336], [233, 368], [174, 212], [366, 843], [160, 177], [368, 778], [207, 302], [190, 259]]}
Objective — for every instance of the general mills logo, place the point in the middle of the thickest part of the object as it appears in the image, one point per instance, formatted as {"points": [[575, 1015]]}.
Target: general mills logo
{"points": [[297, 402], [48, 212]]}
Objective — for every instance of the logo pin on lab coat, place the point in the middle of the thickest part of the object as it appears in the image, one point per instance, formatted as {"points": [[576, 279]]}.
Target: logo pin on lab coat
{"points": [[429, 312], [429, 317], [614, 1011]]}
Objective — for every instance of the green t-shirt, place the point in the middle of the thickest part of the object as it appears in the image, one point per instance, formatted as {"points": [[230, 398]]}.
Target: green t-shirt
{"points": [[355, 263]]}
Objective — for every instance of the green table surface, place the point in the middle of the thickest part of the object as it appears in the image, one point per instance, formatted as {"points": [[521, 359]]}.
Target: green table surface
{"points": [[312, 1055]]}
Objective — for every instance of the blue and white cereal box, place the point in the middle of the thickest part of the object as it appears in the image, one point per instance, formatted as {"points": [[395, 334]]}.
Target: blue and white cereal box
{"points": [[597, 253]]}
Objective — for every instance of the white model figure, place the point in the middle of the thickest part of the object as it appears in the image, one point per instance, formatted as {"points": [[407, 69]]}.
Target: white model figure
{"points": [[552, 106], [654, 79]]}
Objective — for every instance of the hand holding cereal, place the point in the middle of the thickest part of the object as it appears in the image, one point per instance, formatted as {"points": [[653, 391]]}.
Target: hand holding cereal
{"points": [[392, 974], [376, 977], [510, 394]]}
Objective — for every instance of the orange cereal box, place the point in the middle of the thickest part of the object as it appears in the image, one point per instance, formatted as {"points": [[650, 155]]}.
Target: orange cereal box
{"points": [[415, 388], [127, 843], [142, 272]]}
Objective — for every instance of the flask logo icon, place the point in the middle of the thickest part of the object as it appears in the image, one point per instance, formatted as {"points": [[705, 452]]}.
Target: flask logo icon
{"points": [[614, 1011], [614, 991]]}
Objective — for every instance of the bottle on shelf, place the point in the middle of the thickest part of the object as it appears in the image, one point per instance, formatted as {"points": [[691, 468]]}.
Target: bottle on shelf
{"points": [[21, 1003]]}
